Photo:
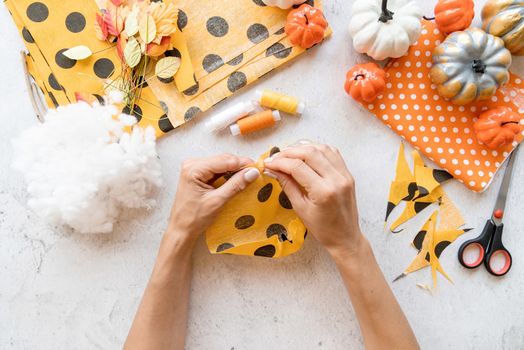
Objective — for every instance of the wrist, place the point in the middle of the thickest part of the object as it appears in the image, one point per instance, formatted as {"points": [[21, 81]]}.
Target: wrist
{"points": [[177, 243], [351, 253]]}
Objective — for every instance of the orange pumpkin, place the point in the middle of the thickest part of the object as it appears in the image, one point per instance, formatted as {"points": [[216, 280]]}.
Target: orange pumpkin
{"points": [[454, 15], [364, 82], [305, 26], [497, 127]]}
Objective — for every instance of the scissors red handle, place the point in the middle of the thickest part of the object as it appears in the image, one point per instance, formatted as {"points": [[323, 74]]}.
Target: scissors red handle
{"points": [[489, 246]]}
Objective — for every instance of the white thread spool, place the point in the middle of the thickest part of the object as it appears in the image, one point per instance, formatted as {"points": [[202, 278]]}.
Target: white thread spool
{"points": [[229, 116]]}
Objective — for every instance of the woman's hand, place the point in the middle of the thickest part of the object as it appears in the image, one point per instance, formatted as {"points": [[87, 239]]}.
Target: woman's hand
{"points": [[322, 191], [197, 202]]}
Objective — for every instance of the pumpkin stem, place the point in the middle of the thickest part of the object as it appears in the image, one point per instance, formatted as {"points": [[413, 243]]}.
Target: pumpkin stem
{"points": [[504, 123], [307, 20], [386, 14], [360, 75], [478, 66], [428, 18]]}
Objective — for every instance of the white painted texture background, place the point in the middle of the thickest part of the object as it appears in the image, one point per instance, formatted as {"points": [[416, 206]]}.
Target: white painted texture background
{"points": [[63, 290]]}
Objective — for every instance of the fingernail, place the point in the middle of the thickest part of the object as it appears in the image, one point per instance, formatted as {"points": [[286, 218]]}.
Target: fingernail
{"points": [[268, 160], [251, 175], [270, 174], [304, 142]]}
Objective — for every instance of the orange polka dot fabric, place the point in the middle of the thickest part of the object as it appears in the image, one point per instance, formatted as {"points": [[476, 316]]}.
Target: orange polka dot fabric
{"points": [[442, 131]]}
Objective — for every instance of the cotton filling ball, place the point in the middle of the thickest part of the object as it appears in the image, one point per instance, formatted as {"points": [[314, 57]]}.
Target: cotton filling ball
{"points": [[85, 164]]}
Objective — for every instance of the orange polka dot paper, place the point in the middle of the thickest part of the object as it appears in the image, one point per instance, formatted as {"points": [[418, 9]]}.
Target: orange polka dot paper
{"points": [[440, 130]]}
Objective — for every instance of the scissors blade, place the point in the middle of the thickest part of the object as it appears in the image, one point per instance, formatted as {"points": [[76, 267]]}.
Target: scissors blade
{"points": [[504, 188]]}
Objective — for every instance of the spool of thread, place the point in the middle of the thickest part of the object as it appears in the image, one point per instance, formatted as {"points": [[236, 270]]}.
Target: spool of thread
{"points": [[255, 122], [229, 116], [283, 103]]}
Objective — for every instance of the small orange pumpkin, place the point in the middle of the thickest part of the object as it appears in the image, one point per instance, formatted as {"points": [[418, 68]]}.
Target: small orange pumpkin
{"points": [[454, 15], [305, 26], [497, 127], [365, 81]]}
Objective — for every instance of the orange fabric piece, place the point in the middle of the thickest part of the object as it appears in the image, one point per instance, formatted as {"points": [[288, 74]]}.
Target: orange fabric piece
{"points": [[442, 131]]}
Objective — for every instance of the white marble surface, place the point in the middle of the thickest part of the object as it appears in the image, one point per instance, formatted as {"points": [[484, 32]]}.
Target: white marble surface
{"points": [[62, 290]]}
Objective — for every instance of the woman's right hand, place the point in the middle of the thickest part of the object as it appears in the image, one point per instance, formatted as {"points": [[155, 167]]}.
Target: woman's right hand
{"points": [[322, 192]]}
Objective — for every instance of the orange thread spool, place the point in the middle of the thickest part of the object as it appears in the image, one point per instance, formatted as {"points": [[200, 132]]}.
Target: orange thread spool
{"points": [[255, 122]]}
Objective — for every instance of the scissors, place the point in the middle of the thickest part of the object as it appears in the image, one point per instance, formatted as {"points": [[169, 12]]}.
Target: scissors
{"points": [[489, 243]]}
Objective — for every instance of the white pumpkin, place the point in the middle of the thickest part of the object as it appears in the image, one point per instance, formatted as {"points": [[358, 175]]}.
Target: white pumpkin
{"points": [[283, 4], [382, 28]]}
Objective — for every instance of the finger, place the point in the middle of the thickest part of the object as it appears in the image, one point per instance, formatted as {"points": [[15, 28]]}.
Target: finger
{"points": [[290, 187], [334, 157], [207, 168], [297, 169], [236, 184], [312, 156]]}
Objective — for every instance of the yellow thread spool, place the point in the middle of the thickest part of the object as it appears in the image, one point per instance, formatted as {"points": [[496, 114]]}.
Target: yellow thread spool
{"points": [[283, 103]]}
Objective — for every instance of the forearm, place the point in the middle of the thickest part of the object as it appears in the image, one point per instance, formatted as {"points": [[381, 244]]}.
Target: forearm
{"points": [[381, 319], [161, 319]]}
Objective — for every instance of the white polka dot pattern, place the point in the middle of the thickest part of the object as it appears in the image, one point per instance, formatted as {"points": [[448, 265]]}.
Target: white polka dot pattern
{"points": [[441, 130]]}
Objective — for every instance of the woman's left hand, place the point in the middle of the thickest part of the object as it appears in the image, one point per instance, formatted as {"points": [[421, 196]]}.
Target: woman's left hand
{"points": [[197, 202]]}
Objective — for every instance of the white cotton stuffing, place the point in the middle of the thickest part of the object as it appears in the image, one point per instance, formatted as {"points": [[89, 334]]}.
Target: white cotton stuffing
{"points": [[82, 168]]}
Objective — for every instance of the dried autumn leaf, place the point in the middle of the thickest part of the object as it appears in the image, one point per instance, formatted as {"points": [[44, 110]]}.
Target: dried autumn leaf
{"points": [[114, 19], [80, 52], [155, 50], [132, 52], [131, 25], [165, 17], [100, 28], [147, 29], [120, 45], [167, 67]]}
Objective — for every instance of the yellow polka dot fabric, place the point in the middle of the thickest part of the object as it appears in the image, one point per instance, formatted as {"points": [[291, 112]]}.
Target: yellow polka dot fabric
{"points": [[222, 48], [260, 221], [230, 47], [442, 131]]}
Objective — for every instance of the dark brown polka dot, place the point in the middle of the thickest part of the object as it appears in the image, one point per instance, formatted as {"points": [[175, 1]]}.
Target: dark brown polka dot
{"points": [[164, 124], [419, 206], [305, 234], [27, 36], [104, 68], [236, 60], [244, 222], [173, 53], [53, 99], [441, 175], [267, 251], [62, 61], [75, 22], [191, 113], [422, 192], [439, 248], [277, 229], [142, 82], [259, 2], [265, 192], [37, 12], [273, 151], [257, 33], [224, 246], [278, 50], [236, 81], [164, 107], [212, 62], [419, 238], [53, 82], [280, 31], [166, 80], [100, 99], [217, 26], [136, 112], [190, 91], [284, 201], [389, 209], [309, 2], [182, 20]]}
